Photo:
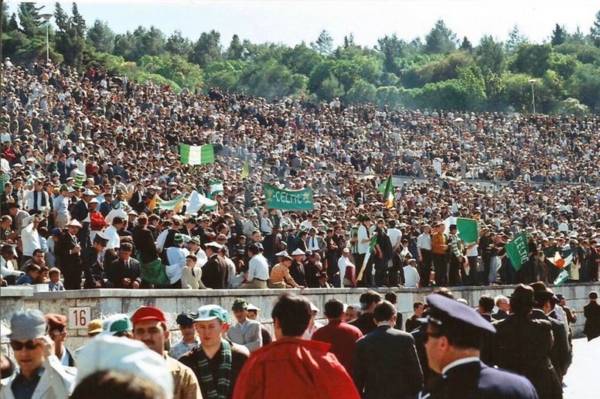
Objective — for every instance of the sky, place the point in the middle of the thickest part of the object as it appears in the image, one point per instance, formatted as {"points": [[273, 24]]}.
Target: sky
{"points": [[292, 22]]}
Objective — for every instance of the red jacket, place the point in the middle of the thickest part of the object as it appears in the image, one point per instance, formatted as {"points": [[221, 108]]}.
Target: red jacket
{"points": [[342, 337], [292, 368]]}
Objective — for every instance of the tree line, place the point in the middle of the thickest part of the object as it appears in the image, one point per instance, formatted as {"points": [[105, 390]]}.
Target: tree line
{"points": [[440, 71]]}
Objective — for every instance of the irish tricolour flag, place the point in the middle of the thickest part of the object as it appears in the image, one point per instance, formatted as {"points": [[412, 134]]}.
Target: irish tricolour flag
{"points": [[196, 154]]}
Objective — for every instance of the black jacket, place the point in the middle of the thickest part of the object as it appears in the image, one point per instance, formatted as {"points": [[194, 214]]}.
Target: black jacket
{"points": [[117, 271], [524, 346], [591, 329], [560, 354], [386, 365], [475, 380], [214, 273]]}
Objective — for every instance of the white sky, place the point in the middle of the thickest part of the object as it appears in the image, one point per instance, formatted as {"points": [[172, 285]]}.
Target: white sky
{"points": [[291, 22]]}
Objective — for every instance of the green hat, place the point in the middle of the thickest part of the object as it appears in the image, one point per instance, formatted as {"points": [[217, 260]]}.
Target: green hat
{"points": [[118, 323], [239, 304], [178, 239], [211, 312]]}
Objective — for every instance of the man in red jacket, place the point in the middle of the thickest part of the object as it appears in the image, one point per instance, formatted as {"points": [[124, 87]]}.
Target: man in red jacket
{"points": [[291, 367], [342, 336]]}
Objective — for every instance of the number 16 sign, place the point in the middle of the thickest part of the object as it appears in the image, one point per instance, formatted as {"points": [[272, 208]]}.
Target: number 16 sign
{"points": [[79, 317]]}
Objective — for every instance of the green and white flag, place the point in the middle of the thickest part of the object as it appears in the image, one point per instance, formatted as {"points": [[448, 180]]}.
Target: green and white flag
{"points": [[517, 251], [198, 202], [79, 179], [468, 229], [562, 277], [196, 154], [278, 198], [215, 187], [172, 205]]}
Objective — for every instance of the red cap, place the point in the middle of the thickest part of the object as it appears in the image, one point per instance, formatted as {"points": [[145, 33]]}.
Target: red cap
{"points": [[146, 313], [56, 320]]}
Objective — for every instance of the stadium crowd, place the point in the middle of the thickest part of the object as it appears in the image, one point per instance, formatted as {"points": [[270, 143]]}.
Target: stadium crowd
{"points": [[85, 157]]}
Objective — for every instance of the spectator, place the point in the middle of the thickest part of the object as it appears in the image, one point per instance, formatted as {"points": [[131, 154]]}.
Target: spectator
{"points": [[245, 332], [189, 341], [365, 322], [40, 372], [216, 362], [191, 277], [386, 363], [125, 271], [150, 327], [303, 367], [94, 327], [264, 331], [57, 331], [503, 308], [214, 272], [393, 299], [591, 312], [340, 335], [32, 274], [55, 284], [280, 274], [486, 307], [258, 268]]}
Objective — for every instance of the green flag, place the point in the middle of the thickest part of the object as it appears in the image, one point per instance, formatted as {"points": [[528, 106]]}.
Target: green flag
{"points": [[562, 277], [196, 154], [467, 230], [3, 179], [154, 273], [288, 199], [517, 251], [79, 179], [383, 185]]}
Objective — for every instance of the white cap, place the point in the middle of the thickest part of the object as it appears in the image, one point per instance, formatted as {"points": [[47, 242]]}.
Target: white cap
{"points": [[124, 355], [297, 252]]}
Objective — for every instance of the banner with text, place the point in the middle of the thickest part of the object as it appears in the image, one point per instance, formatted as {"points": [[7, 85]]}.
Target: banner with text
{"points": [[290, 200], [517, 251]]}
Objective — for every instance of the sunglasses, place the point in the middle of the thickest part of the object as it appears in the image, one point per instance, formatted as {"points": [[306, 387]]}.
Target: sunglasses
{"points": [[29, 345]]}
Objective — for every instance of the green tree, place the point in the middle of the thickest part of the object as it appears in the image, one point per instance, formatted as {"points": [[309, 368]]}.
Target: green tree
{"points": [[223, 74], [174, 68], [178, 45], [271, 80], [101, 37], [125, 46], [515, 40], [490, 56], [517, 92], [148, 42], [361, 92], [329, 89], [207, 48], [235, 51], [532, 59], [440, 40], [301, 59], [70, 35], [559, 35], [391, 48], [584, 85], [595, 30], [30, 20], [466, 45], [324, 43]]}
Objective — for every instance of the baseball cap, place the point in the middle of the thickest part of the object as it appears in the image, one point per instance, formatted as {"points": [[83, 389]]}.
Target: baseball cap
{"points": [[183, 319], [116, 324], [211, 312], [27, 324], [146, 313], [94, 327]]}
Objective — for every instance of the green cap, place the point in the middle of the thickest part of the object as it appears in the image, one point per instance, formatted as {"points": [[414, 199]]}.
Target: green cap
{"points": [[211, 312]]}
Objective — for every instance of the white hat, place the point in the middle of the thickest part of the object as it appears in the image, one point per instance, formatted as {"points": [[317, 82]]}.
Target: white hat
{"points": [[124, 355], [214, 245], [297, 252], [283, 254], [74, 223], [252, 307], [93, 201]]}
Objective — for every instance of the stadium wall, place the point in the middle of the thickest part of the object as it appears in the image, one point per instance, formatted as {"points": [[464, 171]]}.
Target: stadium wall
{"points": [[99, 303]]}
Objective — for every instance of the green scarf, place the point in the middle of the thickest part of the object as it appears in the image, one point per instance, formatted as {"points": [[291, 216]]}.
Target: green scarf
{"points": [[222, 387]]}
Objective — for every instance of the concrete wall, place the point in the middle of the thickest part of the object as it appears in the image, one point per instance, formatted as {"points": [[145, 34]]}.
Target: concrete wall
{"points": [[104, 302]]}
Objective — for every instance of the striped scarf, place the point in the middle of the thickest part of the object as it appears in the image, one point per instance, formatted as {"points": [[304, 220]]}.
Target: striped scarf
{"points": [[222, 387]]}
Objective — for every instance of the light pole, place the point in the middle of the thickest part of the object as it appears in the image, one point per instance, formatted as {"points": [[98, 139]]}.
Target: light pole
{"points": [[46, 18], [532, 82]]}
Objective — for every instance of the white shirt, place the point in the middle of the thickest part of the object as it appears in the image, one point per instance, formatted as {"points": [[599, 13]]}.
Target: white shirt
{"points": [[343, 263], [472, 251], [362, 234], [395, 236], [424, 241], [176, 258], [201, 257], [114, 241], [258, 268], [30, 239], [411, 276], [313, 243], [8, 268]]}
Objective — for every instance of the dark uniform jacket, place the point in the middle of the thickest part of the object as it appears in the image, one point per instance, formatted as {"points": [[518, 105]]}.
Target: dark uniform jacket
{"points": [[523, 345], [591, 329], [144, 244], [560, 353], [386, 365], [365, 323], [475, 380], [214, 273], [118, 270], [69, 263]]}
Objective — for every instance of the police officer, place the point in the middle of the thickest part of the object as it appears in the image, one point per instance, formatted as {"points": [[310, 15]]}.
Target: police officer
{"points": [[524, 345], [454, 334]]}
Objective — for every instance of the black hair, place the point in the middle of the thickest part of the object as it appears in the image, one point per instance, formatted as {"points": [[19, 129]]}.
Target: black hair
{"points": [[333, 309], [486, 303], [369, 298], [417, 304], [459, 334], [384, 311], [293, 313], [391, 297]]}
